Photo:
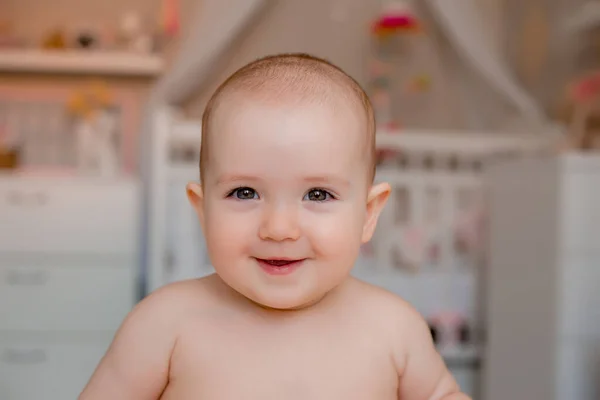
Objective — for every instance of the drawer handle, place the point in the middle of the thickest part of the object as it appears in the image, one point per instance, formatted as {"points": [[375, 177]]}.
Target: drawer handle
{"points": [[19, 199], [15, 198], [41, 198], [20, 278], [14, 356]]}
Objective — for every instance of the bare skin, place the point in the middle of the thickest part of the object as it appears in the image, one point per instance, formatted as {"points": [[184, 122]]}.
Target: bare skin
{"points": [[199, 339]]}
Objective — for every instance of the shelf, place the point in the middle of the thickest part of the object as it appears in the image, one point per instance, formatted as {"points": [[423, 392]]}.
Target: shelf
{"points": [[85, 62]]}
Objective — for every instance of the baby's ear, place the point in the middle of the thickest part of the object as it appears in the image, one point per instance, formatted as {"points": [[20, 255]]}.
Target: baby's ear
{"points": [[195, 196], [376, 199]]}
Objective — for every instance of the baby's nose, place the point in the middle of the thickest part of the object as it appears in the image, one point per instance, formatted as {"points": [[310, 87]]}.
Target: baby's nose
{"points": [[280, 223]]}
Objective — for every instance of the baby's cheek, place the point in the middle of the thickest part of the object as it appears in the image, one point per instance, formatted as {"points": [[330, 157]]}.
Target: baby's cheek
{"points": [[333, 235], [225, 235]]}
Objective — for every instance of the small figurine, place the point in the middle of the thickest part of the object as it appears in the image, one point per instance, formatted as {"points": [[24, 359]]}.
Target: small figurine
{"points": [[132, 34], [95, 130], [86, 40], [56, 40]]}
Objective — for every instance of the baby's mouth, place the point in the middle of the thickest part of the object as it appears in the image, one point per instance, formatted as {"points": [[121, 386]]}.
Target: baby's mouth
{"points": [[279, 263], [280, 266]]}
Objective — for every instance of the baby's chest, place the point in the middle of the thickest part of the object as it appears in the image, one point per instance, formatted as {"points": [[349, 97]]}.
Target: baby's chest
{"points": [[281, 367]]}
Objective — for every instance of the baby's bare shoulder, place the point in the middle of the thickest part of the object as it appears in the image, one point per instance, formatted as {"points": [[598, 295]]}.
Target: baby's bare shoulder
{"points": [[182, 291], [157, 319], [137, 362], [173, 302], [385, 304], [392, 315], [400, 327]]}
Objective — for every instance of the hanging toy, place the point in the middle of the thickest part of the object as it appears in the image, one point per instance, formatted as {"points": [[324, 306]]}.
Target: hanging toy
{"points": [[419, 84], [396, 18]]}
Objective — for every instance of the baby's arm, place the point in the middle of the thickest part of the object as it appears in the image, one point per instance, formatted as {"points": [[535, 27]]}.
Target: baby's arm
{"points": [[423, 373], [136, 365]]}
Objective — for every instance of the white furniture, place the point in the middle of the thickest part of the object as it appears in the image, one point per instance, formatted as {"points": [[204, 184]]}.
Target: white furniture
{"points": [[68, 263], [543, 306]]}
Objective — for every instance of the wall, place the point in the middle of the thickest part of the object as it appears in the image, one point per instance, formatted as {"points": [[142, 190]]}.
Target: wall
{"points": [[540, 51], [493, 12], [34, 18], [284, 27]]}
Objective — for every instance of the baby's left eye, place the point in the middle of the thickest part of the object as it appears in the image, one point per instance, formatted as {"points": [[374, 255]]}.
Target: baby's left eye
{"points": [[318, 195]]}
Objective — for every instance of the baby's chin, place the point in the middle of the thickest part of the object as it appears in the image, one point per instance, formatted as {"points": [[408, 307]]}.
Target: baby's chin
{"points": [[287, 303], [283, 298]]}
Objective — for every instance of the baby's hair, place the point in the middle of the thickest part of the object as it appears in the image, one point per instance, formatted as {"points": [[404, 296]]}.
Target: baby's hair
{"points": [[301, 76]]}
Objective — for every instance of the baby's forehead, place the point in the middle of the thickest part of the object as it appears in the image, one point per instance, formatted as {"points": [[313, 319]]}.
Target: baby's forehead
{"points": [[281, 93], [265, 121], [332, 124], [311, 127], [308, 136]]}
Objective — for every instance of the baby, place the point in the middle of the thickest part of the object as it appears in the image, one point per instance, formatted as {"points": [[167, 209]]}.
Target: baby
{"points": [[285, 201]]}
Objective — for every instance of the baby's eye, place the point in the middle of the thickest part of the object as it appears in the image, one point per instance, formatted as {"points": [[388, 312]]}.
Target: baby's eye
{"points": [[318, 195], [244, 193]]}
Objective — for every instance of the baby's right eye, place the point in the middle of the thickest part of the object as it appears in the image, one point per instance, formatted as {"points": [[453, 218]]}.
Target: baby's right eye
{"points": [[244, 193]]}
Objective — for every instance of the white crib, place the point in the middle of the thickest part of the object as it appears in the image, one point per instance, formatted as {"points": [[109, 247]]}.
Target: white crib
{"points": [[432, 229], [427, 248], [429, 245]]}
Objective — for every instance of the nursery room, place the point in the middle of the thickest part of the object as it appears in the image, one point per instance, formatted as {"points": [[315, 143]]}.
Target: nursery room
{"points": [[486, 133]]}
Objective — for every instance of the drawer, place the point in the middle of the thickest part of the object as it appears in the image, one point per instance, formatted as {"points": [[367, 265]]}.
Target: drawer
{"points": [[65, 298], [47, 371], [577, 374], [581, 212], [47, 216], [579, 297]]}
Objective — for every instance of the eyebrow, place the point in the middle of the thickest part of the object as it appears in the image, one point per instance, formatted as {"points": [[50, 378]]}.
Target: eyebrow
{"points": [[324, 180], [317, 180], [236, 178]]}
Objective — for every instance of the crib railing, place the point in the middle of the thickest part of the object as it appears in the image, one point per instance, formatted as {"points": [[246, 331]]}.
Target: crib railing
{"points": [[435, 216], [429, 245]]}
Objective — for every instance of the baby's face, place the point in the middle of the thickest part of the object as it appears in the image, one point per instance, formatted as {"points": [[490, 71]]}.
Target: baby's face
{"points": [[284, 206]]}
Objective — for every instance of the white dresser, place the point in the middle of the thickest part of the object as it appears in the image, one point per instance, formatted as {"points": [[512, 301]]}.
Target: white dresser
{"points": [[543, 283], [68, 267]]}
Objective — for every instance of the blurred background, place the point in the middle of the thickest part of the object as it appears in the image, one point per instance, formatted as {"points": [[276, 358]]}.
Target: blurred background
{"points": [[487, 115]]}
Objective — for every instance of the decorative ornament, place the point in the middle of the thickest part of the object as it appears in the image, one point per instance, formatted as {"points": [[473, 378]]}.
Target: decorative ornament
{"points": [[396, 18]]}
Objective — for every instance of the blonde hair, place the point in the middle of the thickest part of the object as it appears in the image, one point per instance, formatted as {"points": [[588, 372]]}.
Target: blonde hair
{"points": [[310, 77]]}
